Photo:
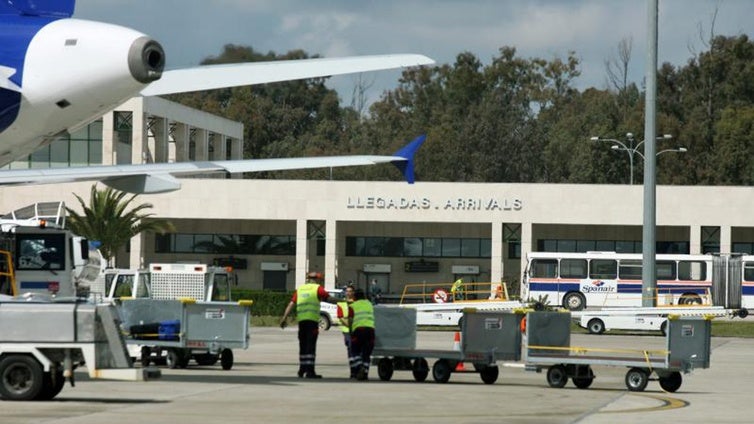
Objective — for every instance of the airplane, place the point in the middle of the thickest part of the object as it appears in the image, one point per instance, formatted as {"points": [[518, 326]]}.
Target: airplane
{"points": [[58, 73]]}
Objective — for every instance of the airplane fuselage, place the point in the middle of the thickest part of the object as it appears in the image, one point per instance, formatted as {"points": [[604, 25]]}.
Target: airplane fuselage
{"points": [[69, 72]]}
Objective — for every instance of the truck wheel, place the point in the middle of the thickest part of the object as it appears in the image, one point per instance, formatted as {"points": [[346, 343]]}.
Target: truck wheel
{"points": [[420, 369], [145, 354], [636, 379], [441, 371], [226, 359], [671, 382], [324, 322], [51, 388], [596, 326], [21, 377], [557, 376], [574, 301], [385, 369], [489, 374]]}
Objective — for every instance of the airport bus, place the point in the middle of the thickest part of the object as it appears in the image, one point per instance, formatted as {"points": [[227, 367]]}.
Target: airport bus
{"points": [[604, 279]]}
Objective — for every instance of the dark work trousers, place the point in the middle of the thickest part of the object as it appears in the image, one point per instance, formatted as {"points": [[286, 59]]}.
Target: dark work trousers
{"points": [[351, 357], [362, 345], [307, 345]]}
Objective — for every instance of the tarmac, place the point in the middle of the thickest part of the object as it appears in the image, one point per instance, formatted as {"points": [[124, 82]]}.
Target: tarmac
{"points": [[262, 387]]}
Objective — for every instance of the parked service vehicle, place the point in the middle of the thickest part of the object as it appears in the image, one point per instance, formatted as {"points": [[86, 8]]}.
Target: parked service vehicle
{"points": [[40, 278]]}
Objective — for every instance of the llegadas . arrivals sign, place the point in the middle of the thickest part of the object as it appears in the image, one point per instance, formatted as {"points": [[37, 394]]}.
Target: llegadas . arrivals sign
{"points": [[426, 203]]}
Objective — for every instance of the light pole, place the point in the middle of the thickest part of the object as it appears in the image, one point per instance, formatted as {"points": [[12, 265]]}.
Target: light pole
{"points": [[632, 149]]}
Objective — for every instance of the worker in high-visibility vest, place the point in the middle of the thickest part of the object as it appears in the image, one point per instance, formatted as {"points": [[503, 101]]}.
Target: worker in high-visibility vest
{"points": [[306, 300], [457, 289], [362, 334], [343, 314]]}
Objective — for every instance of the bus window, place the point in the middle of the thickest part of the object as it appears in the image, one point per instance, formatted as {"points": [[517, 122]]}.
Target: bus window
{"points": [[573, 268], [692, 270], [629, 269], [748, 271], [603, 269], [544, 268], [666, 270]]}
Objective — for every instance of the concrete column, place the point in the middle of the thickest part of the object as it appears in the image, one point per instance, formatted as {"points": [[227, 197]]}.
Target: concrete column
{"points": [[161, 131], [236, 152], [302, 247], [331, 254], [695, 239], [139, 134], [725, 239], [136, 256], [201, 140], [181, 135], [496, 264], [108, 138], [527, 240]]}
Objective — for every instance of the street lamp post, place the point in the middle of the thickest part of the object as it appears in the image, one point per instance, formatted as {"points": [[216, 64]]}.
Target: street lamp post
{"points": [[632, 149]]}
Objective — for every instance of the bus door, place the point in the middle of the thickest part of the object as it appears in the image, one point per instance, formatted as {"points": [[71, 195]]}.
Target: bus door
{"points": [[601, 288]]}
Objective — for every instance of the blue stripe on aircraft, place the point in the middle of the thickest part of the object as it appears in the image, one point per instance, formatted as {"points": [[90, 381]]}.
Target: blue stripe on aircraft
{"points": [[16, 32]]}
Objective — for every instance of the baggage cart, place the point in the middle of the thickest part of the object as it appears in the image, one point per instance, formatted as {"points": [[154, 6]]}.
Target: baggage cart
{"points": [[485, 338], [186, 329], [548, 346]]}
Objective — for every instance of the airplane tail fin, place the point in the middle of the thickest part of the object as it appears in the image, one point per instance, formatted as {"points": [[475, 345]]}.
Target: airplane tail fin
{"points": [[407, 153], [47, 8]]}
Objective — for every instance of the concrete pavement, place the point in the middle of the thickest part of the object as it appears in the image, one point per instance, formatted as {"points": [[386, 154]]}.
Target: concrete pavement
{"points": [[263, 387]]}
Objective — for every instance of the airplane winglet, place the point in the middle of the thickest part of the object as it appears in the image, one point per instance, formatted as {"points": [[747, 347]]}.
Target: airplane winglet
{"points": [[406, 164]]}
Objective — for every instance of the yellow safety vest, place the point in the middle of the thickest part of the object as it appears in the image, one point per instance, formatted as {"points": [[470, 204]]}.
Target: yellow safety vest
{"points": [[307, 302], [343, 306], [363, 314]]}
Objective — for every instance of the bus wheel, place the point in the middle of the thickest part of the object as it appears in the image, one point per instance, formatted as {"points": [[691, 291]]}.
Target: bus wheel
{"points": [[690, 299], [574, 301], [596, 326]]}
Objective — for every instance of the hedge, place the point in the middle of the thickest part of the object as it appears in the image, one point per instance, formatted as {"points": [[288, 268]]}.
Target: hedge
{"points": [[266, 303]]}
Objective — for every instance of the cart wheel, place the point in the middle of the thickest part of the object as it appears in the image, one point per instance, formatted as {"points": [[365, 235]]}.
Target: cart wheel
{"points": [[582, 382], [226, 359], [441, 371], [557, 376], [173, 359], [145, 354], [489, 374], [385, 369], [596, 326], [21, 377], [420, 369], [636, 379], [671, 382], [51, 388]]}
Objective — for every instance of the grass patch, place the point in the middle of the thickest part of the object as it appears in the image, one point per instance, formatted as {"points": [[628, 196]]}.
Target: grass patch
{"points": [[733, 329]]}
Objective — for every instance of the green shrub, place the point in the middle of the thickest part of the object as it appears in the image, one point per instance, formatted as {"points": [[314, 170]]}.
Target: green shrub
{"points": [[266, 302]]}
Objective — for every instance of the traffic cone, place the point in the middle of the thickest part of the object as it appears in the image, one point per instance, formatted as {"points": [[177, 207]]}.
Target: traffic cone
{"points": [[457, 347]]}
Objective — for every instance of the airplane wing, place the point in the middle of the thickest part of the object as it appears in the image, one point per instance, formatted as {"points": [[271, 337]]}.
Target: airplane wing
{"points": [[160, 177], [232, 75]]}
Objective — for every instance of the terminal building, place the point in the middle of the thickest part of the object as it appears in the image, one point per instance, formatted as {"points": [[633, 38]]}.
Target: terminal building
{"points": [[273, 231]]}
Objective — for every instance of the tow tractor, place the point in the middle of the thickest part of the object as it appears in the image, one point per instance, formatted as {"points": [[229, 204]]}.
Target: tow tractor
{"points": [[40, 268]]}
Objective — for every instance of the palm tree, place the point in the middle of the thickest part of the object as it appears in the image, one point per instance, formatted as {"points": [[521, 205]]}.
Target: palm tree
{"points": [[108, 220]]}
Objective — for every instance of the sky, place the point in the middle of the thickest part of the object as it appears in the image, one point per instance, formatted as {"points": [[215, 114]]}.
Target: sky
{"points": [[192, 30]]}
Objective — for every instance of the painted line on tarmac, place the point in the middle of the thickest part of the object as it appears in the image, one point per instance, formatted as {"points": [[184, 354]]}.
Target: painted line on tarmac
{"points": [[668, 403]]}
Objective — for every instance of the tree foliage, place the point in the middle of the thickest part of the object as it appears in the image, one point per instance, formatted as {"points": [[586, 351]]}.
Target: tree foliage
{"points": [[112, 219], [513, 119]]}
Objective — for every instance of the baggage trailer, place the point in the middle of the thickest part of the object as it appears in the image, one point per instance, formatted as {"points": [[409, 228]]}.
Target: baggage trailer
{"points": [[486, 338], [42, 342], [186, 329], [548, 346]]}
